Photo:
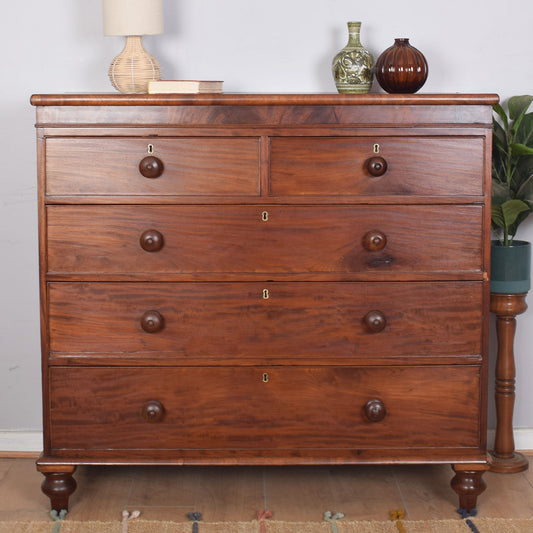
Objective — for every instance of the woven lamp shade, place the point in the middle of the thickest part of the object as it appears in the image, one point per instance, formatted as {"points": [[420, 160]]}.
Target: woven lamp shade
{"points": [[134, 67]]}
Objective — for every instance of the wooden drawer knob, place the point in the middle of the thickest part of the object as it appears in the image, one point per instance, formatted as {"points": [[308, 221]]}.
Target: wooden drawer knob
{"points": [[374, 241], [152, 322], [153, 411], [375, 321], [375, 410], [376, 166], [151, 240], [151, 167]]}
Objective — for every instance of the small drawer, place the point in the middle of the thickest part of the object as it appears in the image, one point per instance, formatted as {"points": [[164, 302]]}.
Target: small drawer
{"points": [[152, 166], [268, 239], [370, 166], [265, 321], [261, 408]]}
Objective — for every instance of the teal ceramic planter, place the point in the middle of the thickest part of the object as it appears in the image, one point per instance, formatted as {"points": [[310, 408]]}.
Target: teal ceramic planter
{"points": [[510, 267]]}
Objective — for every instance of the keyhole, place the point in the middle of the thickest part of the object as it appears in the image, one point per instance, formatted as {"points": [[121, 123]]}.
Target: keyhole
{"points": [[264, 216], [265, 378], [150, 148], [266, 294], [376, 148]]}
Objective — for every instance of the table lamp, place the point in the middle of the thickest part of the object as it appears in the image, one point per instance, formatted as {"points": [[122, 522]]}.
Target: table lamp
{"points": [[134, 67]]}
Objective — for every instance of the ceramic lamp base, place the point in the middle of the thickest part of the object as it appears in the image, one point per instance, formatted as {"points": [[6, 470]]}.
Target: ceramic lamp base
{"points": [[133, 68]]}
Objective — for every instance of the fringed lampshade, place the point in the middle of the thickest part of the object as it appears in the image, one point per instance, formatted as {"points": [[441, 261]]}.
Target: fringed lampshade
{"points": [[134, 67]]}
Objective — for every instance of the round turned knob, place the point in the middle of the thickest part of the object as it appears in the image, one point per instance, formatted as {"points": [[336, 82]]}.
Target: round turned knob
{"points": [[375, 410], [376, 166], [152, 322], [374, 241], [151, 167], [153, 411], [375, 321], [151, 240]]}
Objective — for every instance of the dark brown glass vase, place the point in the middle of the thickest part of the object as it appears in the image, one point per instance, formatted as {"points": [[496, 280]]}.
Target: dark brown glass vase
{"points": [[401, 68]]}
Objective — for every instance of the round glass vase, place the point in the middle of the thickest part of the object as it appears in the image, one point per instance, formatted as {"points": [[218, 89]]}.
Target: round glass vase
{"points": [[353, 66], [401, 68]]}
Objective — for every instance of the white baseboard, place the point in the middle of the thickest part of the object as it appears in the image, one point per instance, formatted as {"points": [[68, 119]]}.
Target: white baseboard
{"points": [[32, 441], [21, 441], [523, 439]]}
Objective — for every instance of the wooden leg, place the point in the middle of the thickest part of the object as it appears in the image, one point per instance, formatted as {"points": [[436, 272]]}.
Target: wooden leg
{"points": [[58, 485], [504, 459], [468, 484]]}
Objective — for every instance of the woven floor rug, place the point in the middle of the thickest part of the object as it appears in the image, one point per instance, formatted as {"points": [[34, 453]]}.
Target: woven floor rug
{"points": [[481, 525]]}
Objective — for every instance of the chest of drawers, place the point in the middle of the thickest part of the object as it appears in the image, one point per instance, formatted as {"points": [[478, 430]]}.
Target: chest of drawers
{"points": [[264, 279]]}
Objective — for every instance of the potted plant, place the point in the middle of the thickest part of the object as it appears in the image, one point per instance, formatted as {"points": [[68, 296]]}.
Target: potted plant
{"points": [[512, 195]]}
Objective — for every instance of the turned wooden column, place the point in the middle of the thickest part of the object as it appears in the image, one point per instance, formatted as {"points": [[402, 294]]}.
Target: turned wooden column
{"points": [[504, 459]]}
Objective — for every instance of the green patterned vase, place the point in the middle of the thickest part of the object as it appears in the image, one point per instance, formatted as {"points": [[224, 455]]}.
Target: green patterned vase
{"points": [[353, 66]]}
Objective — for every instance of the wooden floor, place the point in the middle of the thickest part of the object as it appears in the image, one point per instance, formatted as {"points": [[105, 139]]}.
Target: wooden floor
{"points": [[237, 493]]}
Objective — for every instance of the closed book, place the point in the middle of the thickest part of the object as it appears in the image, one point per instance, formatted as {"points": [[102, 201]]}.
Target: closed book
{"points": [[184, 86]]}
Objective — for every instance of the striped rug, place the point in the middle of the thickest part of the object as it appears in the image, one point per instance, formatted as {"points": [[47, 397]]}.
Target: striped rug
{"points": [[481, 525]]}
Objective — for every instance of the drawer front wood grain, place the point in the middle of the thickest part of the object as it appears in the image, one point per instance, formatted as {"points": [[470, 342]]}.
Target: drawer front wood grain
{"points": [[268, 239], [189, 166], [290, 320], [342, 166], [264, 408]]}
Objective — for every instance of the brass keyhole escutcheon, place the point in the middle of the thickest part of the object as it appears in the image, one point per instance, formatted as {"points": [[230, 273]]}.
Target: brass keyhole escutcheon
{"points": [[376, 148], [266, 294], [264, 216], [265, 378], [150, 148]]}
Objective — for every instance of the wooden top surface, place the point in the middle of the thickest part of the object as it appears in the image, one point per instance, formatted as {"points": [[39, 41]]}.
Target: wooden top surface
{"points": [[114, 99]]}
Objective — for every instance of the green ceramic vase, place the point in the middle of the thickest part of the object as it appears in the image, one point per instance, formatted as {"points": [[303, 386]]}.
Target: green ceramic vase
{"points": [[510, 267], [353, 66]]}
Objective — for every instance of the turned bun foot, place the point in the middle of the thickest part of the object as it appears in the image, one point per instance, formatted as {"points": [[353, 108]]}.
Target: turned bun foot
{"points": [[468, 484], [58, 486]]}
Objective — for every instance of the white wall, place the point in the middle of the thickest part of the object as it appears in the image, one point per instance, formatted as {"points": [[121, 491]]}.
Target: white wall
{"points": [[274, 46]]}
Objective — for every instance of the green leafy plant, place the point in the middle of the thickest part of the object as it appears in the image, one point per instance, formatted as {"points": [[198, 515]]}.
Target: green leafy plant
{"points": [[512, 167]]}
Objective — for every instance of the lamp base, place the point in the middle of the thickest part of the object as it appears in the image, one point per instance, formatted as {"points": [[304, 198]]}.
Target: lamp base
{"points": [[133, 68]]}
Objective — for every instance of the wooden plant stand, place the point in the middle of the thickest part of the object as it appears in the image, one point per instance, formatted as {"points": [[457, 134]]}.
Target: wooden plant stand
{"points": [[504, 459]]}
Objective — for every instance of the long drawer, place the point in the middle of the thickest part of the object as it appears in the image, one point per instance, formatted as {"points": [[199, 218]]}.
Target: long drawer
{"points": [[282, 239], [264, 408], [187, 166], [369, 166], [262, 320]]}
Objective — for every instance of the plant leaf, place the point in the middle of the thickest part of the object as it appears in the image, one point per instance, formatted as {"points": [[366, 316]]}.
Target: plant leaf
{"points": [[524, 134], [500, 193], [518, 105], [512, 165], [524, 179], [511, 209], [519, 219], [499, 138], [520, 149], [497, 216], [498, 109]]}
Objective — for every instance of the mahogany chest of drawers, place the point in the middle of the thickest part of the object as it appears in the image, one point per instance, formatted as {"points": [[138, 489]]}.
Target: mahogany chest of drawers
{"points": [[264, 279]]}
